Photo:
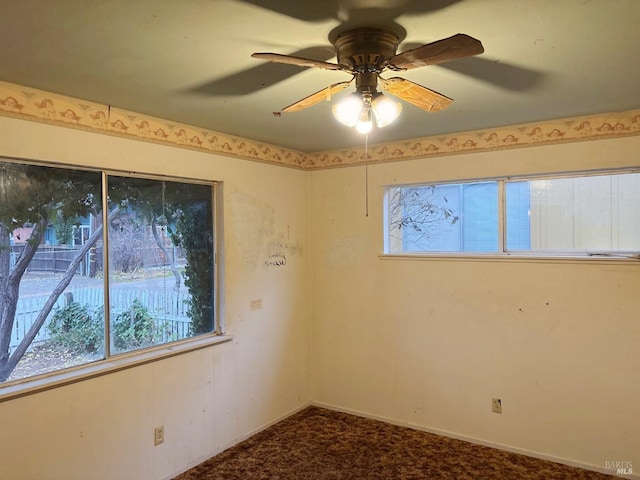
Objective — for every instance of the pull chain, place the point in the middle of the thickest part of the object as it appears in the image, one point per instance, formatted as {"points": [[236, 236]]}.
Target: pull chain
{"points": [[366, 175]]}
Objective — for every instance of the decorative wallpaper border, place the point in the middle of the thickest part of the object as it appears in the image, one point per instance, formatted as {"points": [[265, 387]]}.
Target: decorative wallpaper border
{"points": [[577, 129], [37, 105]]}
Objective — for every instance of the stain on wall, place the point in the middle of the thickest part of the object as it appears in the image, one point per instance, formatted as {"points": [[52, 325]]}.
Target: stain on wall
{"points": [[261, 239], [346, 252]]}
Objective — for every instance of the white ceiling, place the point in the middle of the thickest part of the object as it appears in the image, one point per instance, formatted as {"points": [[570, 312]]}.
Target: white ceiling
{"points": [[190, 60]]}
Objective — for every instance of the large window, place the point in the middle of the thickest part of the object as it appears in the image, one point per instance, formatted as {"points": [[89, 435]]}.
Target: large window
{"points": [[73, 292], [591, 214]]}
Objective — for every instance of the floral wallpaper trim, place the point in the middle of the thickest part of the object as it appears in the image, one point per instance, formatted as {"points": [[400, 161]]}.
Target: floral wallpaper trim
{"points": [[32, 104], [577, 129]]}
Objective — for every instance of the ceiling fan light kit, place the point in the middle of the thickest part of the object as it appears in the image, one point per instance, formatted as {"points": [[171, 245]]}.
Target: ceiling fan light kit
{"points": [[347, 111], [365, 53], [385, 110], [356, 110]]}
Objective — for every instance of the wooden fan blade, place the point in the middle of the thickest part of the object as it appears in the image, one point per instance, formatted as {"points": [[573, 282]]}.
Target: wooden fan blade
{"points": [[445, 50], [299, 61], [311, 100], [415, 94]]}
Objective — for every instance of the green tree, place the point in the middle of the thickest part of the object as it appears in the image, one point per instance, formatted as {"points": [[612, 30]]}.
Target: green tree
{"points": [[63, 228], [198, 245]]}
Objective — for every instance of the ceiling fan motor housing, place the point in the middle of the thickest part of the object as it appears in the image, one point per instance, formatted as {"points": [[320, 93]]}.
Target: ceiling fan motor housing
{"points": [[365, 50]]}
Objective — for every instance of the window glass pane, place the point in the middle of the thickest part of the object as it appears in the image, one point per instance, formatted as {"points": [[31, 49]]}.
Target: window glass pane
{"points": [[161, 279], [590, 213], [50, 316], [480, 217], [443, 218], [518, 211]]}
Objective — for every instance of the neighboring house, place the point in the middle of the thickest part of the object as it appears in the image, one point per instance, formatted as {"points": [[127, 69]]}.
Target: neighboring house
{"points": [[81, 233], [20, 235], [52, 255]]}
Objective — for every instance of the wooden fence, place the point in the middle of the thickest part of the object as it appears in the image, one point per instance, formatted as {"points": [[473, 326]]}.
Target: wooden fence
{"points": [[57, 258], [168, 310], [53, 259]]}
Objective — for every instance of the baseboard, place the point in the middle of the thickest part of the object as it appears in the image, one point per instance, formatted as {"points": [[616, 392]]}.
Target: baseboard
{"points": [[477, 441], [236, 441]]}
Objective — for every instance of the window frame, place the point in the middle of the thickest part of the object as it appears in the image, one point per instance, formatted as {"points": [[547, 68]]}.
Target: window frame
{"points": [[117, 361], [503, 253]]}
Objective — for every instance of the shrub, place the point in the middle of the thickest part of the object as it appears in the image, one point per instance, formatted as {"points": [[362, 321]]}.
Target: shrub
{"points": [[78, 327], [134, 328]]}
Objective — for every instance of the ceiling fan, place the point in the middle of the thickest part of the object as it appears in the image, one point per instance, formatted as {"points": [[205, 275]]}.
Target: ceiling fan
{"points": [[365, 53]]}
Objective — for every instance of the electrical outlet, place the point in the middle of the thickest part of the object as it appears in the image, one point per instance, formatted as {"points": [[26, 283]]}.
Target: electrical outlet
{"points": [[158, 435], [496, 405]]}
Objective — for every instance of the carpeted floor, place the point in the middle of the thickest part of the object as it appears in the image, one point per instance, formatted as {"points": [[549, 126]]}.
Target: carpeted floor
{"points": [[320, 444]]}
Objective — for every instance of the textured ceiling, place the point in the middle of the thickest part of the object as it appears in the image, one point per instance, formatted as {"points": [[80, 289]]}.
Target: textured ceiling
{"points": [[190, 60]]}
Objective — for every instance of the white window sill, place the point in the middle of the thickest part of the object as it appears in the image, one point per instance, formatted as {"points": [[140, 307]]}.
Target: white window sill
{"points": [[115, 363], [515, 257]]}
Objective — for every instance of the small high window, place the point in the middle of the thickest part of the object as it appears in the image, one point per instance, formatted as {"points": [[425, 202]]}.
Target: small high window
{"points": [[582, 214]]}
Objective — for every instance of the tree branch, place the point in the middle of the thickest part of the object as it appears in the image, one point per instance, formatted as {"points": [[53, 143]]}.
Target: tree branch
{"points": [[18, 353], [161, 246]]}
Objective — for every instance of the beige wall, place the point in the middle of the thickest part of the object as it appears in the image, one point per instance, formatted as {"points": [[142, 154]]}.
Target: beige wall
{"points": [[429, 342], [208, 399], [425, 343]]}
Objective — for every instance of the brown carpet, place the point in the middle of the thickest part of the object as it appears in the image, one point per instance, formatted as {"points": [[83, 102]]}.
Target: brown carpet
{"points": [[320, 444]]}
